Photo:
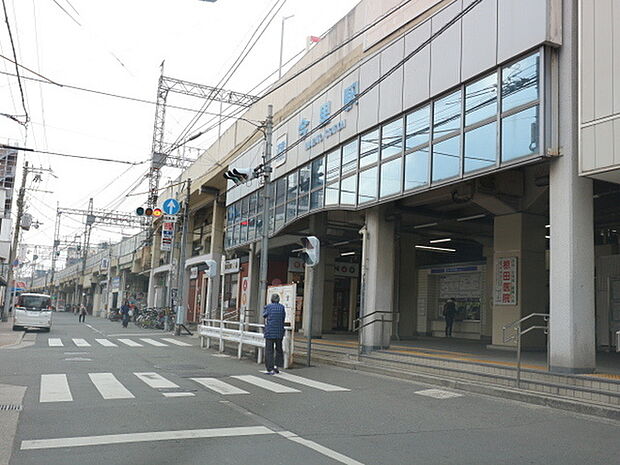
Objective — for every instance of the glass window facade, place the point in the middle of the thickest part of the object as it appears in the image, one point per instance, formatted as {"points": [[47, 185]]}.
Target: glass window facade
{"points": [[392, 139], [473, 128], [369, 148]]}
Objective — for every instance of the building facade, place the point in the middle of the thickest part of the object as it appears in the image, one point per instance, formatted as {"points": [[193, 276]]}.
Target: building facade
{"points": [[439, 149]]}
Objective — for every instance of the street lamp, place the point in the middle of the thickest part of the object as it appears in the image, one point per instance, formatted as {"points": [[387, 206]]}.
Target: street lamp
{"points": [[284, 18]]}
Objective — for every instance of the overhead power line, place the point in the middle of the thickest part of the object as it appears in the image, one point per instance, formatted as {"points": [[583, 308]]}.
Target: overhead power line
{"points": [[19, 80], [251, 43], [46, 80], [321, 58], [68, 155]]}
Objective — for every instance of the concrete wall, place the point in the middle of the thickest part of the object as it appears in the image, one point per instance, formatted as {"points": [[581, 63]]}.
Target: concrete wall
{"points": [[599, 114]]}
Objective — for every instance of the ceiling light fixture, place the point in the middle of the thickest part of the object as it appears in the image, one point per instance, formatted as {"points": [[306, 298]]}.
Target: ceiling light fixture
{"points": [[346, 254], [437, 241], [474, 217], [435, 249], [427, 225]]}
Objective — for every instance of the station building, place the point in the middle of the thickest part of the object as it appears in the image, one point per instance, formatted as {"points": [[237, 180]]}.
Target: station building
{"points": [[464, 149]]}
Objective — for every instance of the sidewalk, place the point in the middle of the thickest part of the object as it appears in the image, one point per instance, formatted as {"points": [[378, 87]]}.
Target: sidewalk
{"points": [[8, 337]]}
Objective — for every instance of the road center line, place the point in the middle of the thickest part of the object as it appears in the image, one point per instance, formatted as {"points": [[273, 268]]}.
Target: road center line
{"points": [[144, 437]]}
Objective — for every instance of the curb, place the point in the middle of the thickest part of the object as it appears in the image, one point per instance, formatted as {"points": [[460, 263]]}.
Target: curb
{"points": [[19, 340], [585, 408]]}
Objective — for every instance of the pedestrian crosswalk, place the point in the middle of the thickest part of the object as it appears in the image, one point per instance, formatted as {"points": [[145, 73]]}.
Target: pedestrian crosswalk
{"points": [[109, 386], [111, 343]]}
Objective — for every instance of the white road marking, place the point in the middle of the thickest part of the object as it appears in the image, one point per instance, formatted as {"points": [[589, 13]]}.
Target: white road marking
{"points": [[134, 334], [130, 343], [109, 387], [174, 341], [54, 342], [178, 394], [156, 381], [81, 343], [219, 386], [311, 383], [94, 329], [77, 359], [106, 343], [332, 454], [263, 383], [152, 436], [438, 393], [55, 388], [153, 342]]}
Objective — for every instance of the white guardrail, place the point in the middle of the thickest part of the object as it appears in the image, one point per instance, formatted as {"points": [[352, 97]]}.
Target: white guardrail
{"points": [[244, 334]]}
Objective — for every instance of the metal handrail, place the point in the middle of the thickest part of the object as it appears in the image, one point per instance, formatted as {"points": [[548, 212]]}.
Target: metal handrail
{"points": [[358, 325], [517, 325]]}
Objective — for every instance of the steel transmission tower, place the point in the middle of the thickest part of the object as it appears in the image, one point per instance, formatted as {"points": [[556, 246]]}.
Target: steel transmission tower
{"points": [[162, 153]]}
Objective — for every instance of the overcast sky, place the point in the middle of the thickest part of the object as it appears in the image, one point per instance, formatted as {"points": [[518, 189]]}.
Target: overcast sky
{"points": [[118, 47]]}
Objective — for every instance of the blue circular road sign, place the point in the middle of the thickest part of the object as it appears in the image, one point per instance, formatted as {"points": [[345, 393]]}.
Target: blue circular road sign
{"points": [[171, 207]]}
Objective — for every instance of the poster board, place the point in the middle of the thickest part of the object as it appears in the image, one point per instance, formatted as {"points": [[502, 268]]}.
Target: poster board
{"points": [[288, 298]]}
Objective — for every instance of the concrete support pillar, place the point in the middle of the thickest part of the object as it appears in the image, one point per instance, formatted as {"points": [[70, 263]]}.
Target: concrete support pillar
{"points": [[520, 236], [378, 291], [406, 292], [218, 224], [572, 337]]}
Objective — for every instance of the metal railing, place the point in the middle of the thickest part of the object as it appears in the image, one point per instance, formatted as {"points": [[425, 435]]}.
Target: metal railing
{"points": [[519, 331], [360, 323], [242, 333]]}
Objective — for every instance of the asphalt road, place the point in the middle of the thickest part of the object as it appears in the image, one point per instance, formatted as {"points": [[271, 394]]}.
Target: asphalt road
{"points": [[98, 393]]}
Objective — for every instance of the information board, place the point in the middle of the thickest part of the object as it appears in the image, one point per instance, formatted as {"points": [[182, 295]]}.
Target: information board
{"points": [[288, 295]]}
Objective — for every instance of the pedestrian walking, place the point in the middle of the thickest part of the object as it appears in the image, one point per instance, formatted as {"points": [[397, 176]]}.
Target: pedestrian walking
{"points": [[125, 313], [274, 315], [449, 312], [82, 314]]}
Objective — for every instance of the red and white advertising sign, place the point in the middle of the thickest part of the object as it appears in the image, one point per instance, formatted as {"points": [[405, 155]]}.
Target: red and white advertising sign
{"points": [[506, 281]]}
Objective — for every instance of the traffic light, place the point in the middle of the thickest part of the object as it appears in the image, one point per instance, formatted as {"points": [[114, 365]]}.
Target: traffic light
{"points": [[311, 252], [211, 271], [238, 175], [144, 211]]}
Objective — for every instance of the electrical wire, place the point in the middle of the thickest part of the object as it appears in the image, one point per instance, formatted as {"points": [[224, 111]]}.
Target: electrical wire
{"points": [[67, 13], [19, 80], [82, 157], [111, 94], [254, 38]]}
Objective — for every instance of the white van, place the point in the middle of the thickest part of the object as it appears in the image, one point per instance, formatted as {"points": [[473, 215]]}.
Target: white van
{"points": [[33, 311]]}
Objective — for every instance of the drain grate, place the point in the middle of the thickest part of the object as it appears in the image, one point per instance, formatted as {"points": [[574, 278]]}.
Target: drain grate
{"points": [[7, 407]]}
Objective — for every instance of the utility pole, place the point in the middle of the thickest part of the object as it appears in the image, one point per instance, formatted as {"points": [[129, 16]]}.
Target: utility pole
{"points": [[55, 247], [90, 220], [180, 323], [12, 254], [264, 248]]}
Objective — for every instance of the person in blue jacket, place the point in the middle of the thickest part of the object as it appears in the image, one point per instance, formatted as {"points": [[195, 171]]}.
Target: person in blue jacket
{"points": [[274, 315]]}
